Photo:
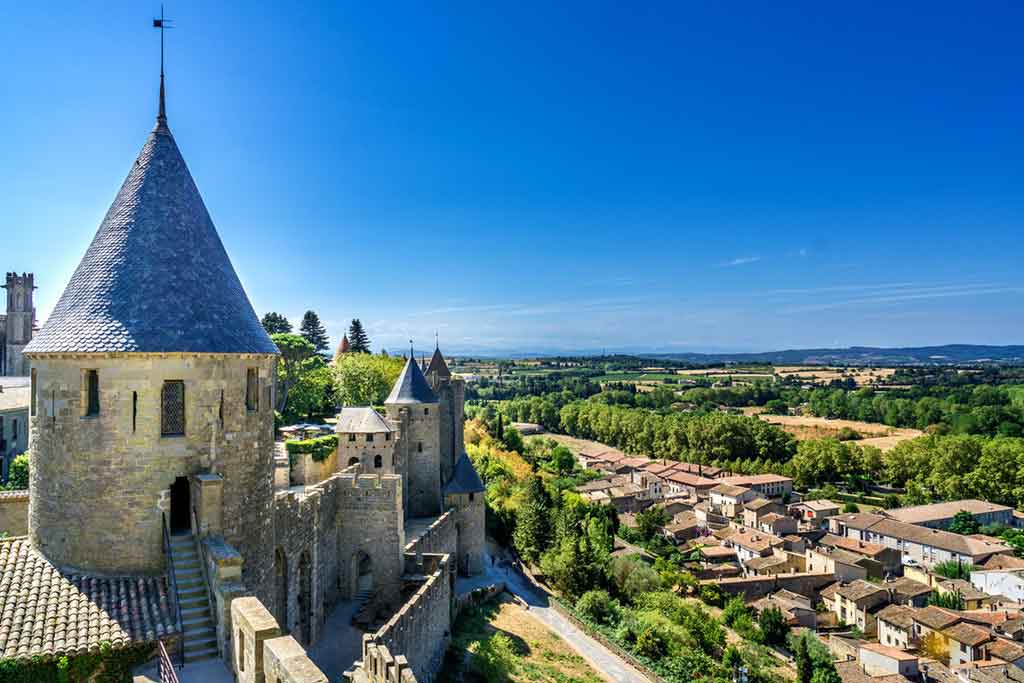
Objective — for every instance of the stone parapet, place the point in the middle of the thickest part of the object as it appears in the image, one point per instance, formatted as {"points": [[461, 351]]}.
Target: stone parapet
{"points": [[14, 512]]}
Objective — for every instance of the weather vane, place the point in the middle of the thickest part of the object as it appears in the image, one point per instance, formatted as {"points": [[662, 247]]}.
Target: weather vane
{"points": [[162, 23]]}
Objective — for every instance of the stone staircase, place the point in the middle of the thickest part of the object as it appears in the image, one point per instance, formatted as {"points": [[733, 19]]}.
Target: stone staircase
{"points": [[196, 621]]}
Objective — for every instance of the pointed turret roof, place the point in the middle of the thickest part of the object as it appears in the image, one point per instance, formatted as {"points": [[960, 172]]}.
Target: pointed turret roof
{"points": [[464, 477], [438, 366], [411, 386], [156, 277]]}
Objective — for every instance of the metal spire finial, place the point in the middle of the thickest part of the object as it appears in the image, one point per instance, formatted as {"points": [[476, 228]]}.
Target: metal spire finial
{"points": [[162, 23]]}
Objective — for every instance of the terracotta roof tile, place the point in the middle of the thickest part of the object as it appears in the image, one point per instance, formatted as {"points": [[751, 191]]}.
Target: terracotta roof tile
{"points": [[48, 612]]}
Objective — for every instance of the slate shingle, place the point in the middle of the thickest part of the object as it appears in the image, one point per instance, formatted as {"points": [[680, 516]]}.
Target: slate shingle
{"points": [[156, 277]]}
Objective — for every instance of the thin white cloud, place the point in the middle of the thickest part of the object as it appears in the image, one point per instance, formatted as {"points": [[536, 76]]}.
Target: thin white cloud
{"points": [[740, 261], [936, 293]]}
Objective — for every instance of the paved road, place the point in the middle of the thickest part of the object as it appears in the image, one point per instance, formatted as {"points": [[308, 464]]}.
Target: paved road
{"points": [[604, 661]]}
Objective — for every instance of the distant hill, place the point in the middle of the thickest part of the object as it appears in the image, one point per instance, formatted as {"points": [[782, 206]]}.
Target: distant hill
{"points": [[950, 354]]}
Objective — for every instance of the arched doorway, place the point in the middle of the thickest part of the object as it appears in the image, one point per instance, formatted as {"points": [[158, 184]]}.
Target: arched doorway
{"points": [[181, 518], [281, 595], [305, 599], [353, 461], [362, 576]]}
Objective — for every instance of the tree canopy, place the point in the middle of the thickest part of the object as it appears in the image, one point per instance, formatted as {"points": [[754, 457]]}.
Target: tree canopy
{"points": [[314, 332], [363, 379], [275, 323], [358, 341]]}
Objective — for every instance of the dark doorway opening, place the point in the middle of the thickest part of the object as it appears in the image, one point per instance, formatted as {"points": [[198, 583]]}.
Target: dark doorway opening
{"points": [[181, 522]]}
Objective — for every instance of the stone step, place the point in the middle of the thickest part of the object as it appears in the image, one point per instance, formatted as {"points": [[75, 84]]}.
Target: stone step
{"points": [[190, 583], [194, 612], [194, 599], [199, 635], [188, 573], [199, 655], [185, 565], [202, 621]]}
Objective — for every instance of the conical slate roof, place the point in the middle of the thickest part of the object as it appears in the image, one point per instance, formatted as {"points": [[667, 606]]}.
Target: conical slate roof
{"points": [[438, 365], [411, 386], [464, 478], [156, 277]]}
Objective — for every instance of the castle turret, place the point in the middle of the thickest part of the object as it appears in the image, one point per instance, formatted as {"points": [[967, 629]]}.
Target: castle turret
{"points": [[451, 396], [19, 323], [414, 407], [464, 492], [153, 367]]}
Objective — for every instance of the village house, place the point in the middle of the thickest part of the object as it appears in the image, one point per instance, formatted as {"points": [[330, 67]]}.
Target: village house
{"points": [[972, 597], [796, 609], [888, 558], [814, 513], [757, 508], [1007, 582], [846, 566], [685, 483], [729, 499], [965, 643], [917, 545], [778, 524], [751, 543], [857, 603], [895, 626], [14, 413], [881, 660], [768, 485], [940, 515]]}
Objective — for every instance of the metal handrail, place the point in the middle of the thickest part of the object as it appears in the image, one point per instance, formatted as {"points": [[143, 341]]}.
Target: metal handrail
{"points": [[166, 668], [174, 590]]}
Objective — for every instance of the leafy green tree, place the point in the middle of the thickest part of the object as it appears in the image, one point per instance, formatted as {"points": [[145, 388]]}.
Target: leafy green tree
{"points": [[734, 608], [358, 341], [964, 523], [513, 440], [295, 351], [314, 393], [363, 379], [597, 606], [17, 474], [850, 507], [651, 521], [951, 600], [571, 566], [314, 332], [275, 323], [650, 644], [952, 569], [532, 533], [773, 626]]}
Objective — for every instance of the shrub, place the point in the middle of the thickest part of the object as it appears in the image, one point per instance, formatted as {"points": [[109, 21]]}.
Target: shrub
{"points": [[711, 594], [851, 507], [17, 475], [598, 606], [734, 609], [495, 658], [321, 447], [848, 434], [650, 644], [773, 626]]}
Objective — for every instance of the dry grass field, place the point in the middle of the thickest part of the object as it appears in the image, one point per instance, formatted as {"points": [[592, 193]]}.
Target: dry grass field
{"points": [[539, 654], [807, 427], [824, 374]]}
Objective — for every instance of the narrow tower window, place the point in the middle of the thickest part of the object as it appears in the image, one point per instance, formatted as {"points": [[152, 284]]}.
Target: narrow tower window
{"points": [[172, 408], [32, 397], [220, 410], [252, 389], [369, 438], [378, 461], [92, 393], [419, 446], [135, 410]]}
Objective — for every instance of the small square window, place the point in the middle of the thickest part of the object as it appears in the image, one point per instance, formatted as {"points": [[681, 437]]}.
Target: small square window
{"points": [[351, 437], [426, 411], [369, 438], [387, 436]]}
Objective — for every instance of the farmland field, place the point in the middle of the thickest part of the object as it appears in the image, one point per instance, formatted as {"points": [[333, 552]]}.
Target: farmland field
{"points": [[805, 427]]}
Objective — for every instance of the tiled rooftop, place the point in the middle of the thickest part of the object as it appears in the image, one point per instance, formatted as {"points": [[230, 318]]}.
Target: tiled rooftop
{"points": [[47, 612]]}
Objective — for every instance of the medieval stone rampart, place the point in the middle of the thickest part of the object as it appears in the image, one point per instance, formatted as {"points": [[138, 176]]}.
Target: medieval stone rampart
{"points": [[14, 512], [419, 632], [440, 537]]}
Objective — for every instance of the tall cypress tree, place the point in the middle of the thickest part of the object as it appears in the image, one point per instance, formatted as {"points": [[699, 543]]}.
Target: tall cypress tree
{"points": [[313, 330], [532, 533], [275, 323], [358, 342]]}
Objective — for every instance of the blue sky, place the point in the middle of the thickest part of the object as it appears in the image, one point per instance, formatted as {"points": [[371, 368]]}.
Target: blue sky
{"points": [[675, 176]]}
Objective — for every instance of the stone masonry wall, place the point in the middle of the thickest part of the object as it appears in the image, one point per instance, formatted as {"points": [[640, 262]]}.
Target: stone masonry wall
{"points": [[14, 513], [754, 587], [421, 630], [100, 483], [471, 551], [441, 537], [417, 456]]}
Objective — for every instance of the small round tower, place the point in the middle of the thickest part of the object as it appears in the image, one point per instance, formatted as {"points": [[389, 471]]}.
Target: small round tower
{"points": [[153, 367]]}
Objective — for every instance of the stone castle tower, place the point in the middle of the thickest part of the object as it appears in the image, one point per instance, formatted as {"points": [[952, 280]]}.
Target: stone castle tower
{"points": [[152, 367], [18, 324], [414, 408]]}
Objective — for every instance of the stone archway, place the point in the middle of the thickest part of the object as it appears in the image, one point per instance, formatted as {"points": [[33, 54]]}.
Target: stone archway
{"points": [[362, 576], [305, 599], [281, 590]]}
